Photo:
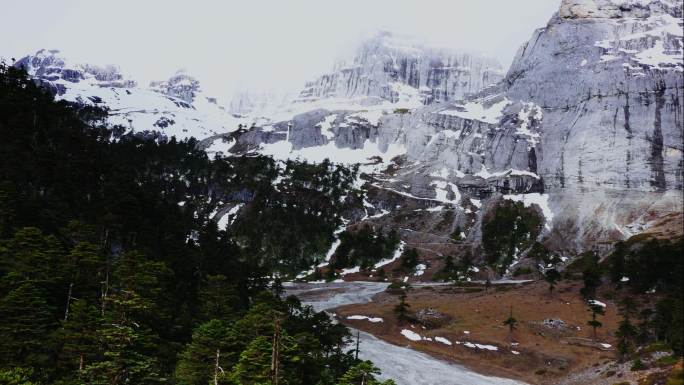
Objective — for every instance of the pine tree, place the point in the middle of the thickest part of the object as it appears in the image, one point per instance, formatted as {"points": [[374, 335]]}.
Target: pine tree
{"points": [[26, 324], [363, 373], [78, 337], [401, 310], [130, 348], [212, 349], [466, 264], [538, 253], [626, 334], [617, 263], [552, 276], [594, 323], [591, 276], [512, 324], [218, 299], [456, 234], [277, 287], [31, 255], [409, 259], [16, 376], [84, 265], [254, 366], [128, 357], [488, 284], [449, 265]]}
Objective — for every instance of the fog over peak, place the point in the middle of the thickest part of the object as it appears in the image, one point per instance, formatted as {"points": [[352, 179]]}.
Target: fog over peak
{"points": [[262, 45]]}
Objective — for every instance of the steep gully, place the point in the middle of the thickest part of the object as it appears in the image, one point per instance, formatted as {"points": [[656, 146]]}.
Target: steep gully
{"points": [[404, 365]]}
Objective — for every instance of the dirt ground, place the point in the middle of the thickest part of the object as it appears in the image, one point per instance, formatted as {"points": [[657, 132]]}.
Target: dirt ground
{"points": [[544, 354]]}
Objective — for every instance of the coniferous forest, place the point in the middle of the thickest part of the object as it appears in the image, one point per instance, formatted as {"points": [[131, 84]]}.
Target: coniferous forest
{"points": [[112, 270]]}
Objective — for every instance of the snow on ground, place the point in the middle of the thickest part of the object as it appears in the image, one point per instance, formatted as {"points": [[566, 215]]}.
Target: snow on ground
{"points": [[140, 109], [442, 192], [404, 365], [372, 116], [402, 193], [529, 110], [283, 151], [334, 245], [435, 209], [477, 111], [413, 336], [596, 303], [351, 270], [541, 200], [442, 173], [326, 126], [480, 346], [483, 173], [228, 218], [395, 256], [443, 340], [363, 317], [655, 29], [221, 146], [367, 107], [420, 270], [657, 55]]}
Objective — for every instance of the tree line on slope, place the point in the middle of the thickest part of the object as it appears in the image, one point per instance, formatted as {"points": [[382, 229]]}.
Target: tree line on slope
{"points": [[112, 270]]}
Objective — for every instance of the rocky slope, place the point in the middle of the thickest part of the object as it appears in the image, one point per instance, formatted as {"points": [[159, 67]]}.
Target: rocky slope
{"points": [[586, 125], [386, 64]]}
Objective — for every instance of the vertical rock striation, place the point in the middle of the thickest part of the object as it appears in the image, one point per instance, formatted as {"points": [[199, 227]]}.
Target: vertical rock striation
{"points": [[384, 65]]}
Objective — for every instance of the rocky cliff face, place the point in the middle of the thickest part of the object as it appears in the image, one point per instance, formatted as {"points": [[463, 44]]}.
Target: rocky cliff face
{"points": [[592, 116], [386, 64], [180, 85], [586, 125], [54, 71], [608, 77]]}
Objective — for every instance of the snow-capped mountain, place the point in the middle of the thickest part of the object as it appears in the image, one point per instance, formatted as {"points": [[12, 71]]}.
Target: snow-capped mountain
{"points": [[586, 125], [338, 115], [396, 68], [174, 107], [180, 85]]}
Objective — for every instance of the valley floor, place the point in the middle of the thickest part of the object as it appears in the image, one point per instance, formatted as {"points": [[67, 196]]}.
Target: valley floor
{"points": [[540, 353]]}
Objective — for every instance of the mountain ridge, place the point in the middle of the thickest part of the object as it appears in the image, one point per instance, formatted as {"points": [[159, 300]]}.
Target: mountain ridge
{"points": [[600, 159]]}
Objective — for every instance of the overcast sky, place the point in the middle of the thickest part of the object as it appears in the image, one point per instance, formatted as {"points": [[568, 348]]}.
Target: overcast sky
{"points": [[261, 44]]}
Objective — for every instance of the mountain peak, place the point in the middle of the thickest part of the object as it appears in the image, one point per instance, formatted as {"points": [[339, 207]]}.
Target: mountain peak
{"points": [[181, 85], [393, 67], [615, 9], [49, 65]]}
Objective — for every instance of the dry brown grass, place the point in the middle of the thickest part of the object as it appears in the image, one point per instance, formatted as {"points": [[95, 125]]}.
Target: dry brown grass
{"points": [[551, 354]]}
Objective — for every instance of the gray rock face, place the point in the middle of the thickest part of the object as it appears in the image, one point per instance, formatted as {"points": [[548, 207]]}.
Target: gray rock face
{"points": [[587, 122], [608, 76], [386, 62], [180, 85], [611, 91], [51, 69]]}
